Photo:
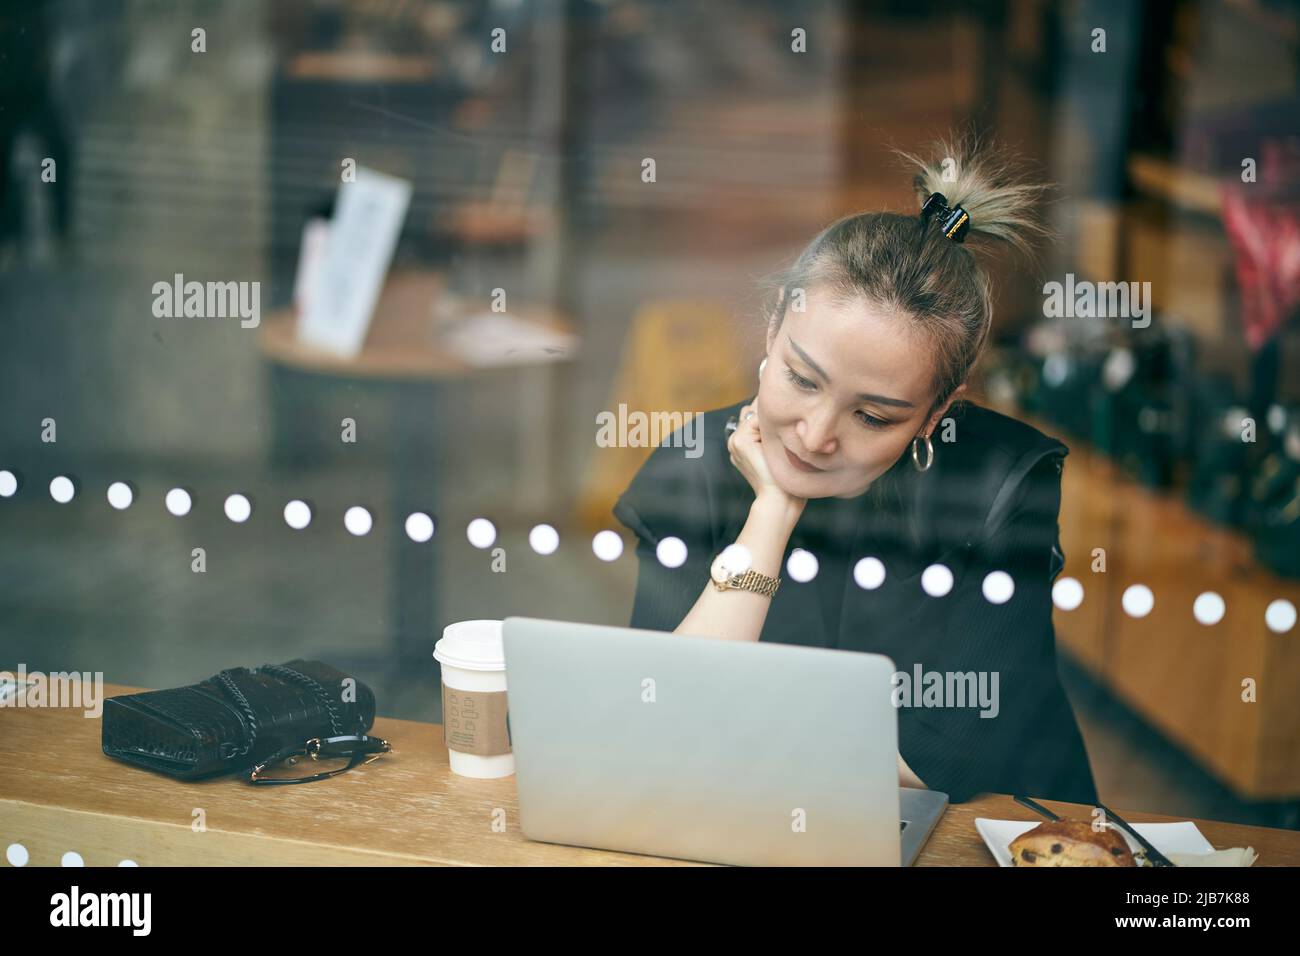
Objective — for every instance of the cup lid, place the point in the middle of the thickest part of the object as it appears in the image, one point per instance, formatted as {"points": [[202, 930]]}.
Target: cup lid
{"points": [[471, 646]]}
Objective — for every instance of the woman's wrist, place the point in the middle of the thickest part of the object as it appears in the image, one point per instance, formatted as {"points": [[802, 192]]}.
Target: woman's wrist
{"points": [[777, 507], [771, 521]]}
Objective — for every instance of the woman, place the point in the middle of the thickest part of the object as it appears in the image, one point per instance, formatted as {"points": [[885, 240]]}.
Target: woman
{"points": [[859, 449]]}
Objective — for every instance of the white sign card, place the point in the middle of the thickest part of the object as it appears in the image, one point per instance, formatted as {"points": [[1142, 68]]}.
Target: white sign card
{"points": [[362, 236], [311, 256]]}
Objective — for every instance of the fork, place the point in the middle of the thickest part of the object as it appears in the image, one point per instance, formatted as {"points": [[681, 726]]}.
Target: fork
{"points": [[1036, 807], [1155, 857]]}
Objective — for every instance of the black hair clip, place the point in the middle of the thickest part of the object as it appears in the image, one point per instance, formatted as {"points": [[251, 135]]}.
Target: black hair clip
{"points": [[954, 222]]}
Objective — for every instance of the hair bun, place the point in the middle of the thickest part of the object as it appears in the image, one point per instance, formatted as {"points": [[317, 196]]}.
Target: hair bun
{"points": [[989, 185]]}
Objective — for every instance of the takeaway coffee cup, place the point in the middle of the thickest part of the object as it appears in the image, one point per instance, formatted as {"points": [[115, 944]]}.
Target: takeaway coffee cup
{"points": [[474, 699]]}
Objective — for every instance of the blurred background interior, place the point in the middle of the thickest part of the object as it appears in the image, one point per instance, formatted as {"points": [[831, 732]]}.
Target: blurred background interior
{"points": [[133, 149]]}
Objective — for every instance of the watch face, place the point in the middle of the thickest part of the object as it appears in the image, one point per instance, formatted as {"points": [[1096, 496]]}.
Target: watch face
{"points": [[733, 561], [736, 558]]}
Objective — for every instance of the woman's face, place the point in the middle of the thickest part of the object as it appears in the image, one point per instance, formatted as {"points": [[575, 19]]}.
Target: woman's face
{"points": [[845, 389]]}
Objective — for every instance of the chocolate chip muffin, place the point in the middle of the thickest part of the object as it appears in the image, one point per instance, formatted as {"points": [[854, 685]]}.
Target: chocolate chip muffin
{"points": [[1070, 843]]}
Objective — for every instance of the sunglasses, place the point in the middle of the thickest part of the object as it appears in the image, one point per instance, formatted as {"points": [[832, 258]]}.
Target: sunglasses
{"points": [[318, 758]]}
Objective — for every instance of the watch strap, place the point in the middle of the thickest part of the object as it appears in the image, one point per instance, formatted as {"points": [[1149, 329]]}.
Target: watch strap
{"points": [[752, 580]]}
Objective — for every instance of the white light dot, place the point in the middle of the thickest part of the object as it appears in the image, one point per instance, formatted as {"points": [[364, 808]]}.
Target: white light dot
{"points": [[869, 573], [481, 533], [1280, 616], [936, 580], [128, 863], [419, 526], [297, 514], [1067, 593], [72, 858], [737, 558], [62, 489], [998, 587], [357, 520], [16, 854], [8, 486], [178, 502], [607, 545], [238, 508], [1208, 608], [544, 539], [1138, 600], [802, 565], [1276, 417], [1056, 369], [120, 495], [671, 552]]}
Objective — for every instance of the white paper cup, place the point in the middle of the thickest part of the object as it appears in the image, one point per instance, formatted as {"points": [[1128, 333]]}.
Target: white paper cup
{"points": [[474, 699]]}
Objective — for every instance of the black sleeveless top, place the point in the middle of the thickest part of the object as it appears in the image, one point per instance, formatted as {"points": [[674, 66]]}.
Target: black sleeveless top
{"points": [[989, 503]]}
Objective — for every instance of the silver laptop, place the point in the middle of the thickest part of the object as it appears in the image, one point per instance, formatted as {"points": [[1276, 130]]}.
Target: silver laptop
{"points": [[702, 749]]}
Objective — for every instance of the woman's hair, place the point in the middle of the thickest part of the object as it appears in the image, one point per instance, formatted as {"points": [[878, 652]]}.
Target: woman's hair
{"points": [[907, 266]]}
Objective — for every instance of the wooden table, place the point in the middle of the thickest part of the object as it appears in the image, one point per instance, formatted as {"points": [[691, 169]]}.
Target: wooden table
{"points": [[58, 792]]}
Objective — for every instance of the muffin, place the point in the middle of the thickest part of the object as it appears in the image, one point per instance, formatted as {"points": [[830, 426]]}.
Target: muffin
{"points": [[1070, 843]]}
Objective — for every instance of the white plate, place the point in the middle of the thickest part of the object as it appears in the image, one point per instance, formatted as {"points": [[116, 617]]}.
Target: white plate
{"points": [[1165, 837]]}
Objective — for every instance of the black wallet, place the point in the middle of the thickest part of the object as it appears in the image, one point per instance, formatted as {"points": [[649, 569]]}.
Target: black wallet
{"points": [[235, 719]]}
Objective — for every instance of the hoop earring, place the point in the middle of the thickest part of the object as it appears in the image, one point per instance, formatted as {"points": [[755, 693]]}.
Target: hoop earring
{"points": [[929, 454]]}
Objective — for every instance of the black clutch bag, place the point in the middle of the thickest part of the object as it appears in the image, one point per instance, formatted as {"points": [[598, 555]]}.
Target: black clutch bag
{"points": [[235, 719]]}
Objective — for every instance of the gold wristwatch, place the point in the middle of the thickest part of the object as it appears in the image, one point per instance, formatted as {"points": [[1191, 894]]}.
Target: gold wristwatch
{"points": [[731, 571]]}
